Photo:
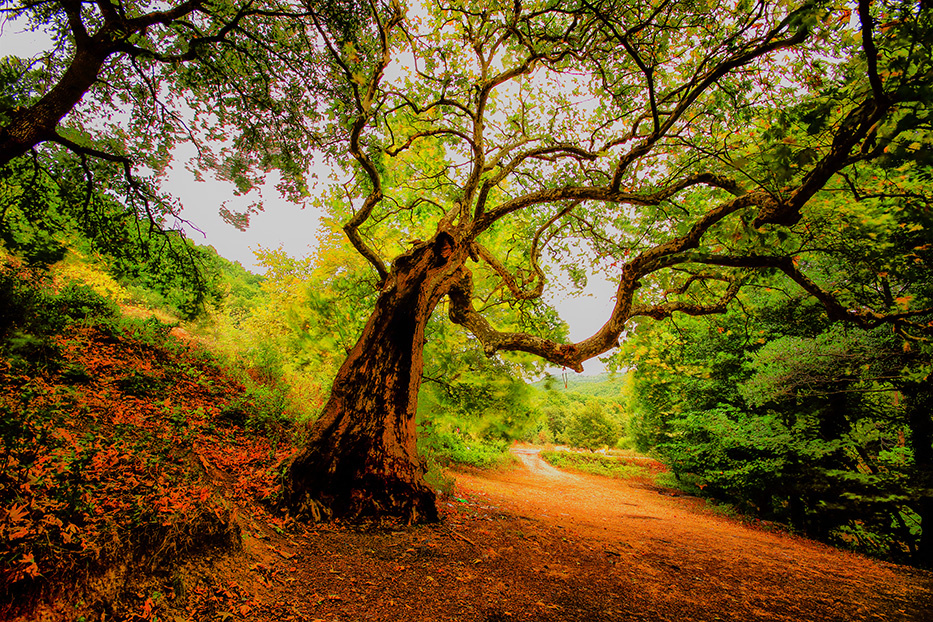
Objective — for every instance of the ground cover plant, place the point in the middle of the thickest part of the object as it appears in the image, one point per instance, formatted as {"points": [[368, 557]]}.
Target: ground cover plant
{"points": [[597, 464], [112, 432]]}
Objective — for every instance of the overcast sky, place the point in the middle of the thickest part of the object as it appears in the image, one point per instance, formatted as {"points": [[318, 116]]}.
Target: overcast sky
{"points": [[280, 224]]}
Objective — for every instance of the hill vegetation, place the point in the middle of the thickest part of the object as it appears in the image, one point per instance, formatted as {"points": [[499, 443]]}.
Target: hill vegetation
{"points": [[114, 428]]}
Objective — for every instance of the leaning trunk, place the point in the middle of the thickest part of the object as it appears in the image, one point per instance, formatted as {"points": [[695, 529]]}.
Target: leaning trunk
{"points": [[361, 460]]}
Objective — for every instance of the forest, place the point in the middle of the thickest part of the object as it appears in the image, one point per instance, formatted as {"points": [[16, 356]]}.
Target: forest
{"points": [[752, 178]]}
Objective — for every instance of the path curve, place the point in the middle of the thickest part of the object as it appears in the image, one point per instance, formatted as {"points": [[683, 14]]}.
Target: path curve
{"points": [[537, 544], [667, 539]]}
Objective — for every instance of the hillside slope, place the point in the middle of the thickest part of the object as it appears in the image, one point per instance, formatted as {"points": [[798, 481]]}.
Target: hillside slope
{"points": [[125, 456]]}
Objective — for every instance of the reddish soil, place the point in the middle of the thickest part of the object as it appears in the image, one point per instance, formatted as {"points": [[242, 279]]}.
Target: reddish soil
{"points": [[536, 543]]}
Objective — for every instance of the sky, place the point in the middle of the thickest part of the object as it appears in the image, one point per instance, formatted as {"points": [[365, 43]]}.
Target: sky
{"points": [[280, 224]]}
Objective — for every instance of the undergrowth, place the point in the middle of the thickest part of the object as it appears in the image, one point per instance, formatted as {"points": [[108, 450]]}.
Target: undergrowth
{"points": [[597, 464], [114, 439], [449, 448], [442, 449]]}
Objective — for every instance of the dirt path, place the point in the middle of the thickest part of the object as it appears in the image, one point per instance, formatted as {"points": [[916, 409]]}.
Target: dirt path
{"points": [[536, 543], [690, 559]]}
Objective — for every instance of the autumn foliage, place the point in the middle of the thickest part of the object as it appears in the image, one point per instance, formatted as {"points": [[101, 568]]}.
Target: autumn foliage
{"points": [[120, 449]]}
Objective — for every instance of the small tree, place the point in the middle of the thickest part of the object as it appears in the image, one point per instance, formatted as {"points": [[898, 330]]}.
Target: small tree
{"points": [[591, 428]]}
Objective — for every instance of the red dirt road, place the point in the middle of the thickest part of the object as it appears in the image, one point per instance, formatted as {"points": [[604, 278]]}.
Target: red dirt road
{"points": [[684, 557], [538, 544]]}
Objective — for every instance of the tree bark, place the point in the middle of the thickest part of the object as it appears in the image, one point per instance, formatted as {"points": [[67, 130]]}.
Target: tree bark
{"points": [[918, 399], [361, 460], [30, 126]]}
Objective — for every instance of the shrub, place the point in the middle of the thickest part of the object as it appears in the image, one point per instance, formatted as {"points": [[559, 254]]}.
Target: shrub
{"points": [[453, 448], [29, 305], [140, 384], [597, 464], [264, 410], [151, 330], [31, 313], [591, 428]]}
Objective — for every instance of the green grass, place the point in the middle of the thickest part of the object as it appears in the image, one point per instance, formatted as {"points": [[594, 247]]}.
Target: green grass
{"points": [[597, 464]]}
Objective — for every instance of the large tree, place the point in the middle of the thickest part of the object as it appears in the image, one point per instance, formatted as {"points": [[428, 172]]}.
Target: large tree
{"points": [[670, 145], [107, 59], [119, 85], [93, 117]]}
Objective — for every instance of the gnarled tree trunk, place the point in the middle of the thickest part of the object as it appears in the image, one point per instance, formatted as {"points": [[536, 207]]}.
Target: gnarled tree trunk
{"points": [[361, 460]]}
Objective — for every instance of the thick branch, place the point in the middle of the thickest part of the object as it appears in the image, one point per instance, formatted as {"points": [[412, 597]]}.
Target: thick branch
{"points": [[602, 193], [871, 52], [552, 152], [864, 318], [36, 124], [364, 115], [667, 309], [701, 83], [479, 127], [394, 151], [624, 40], [124, 161], [463, 313], [662, 256], [853, 129], [31, 126]]}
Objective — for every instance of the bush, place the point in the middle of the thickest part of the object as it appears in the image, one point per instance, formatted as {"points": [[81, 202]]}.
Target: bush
{"points": [[76, 302], [28, 304], [261, 409], [31, 313], [597, 464], [452, 448], [591, 428], [29, 352], [151, 330]]}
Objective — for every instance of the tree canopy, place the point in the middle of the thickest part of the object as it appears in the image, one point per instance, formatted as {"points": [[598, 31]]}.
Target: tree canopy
{"points": [[669, 142], [674, 148]]}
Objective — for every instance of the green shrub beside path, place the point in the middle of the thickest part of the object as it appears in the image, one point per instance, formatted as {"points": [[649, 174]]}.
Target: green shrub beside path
{"points": [[596, 464]]}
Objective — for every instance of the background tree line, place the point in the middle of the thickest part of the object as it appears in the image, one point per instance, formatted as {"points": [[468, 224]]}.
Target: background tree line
{"points": [[793, 417]]}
